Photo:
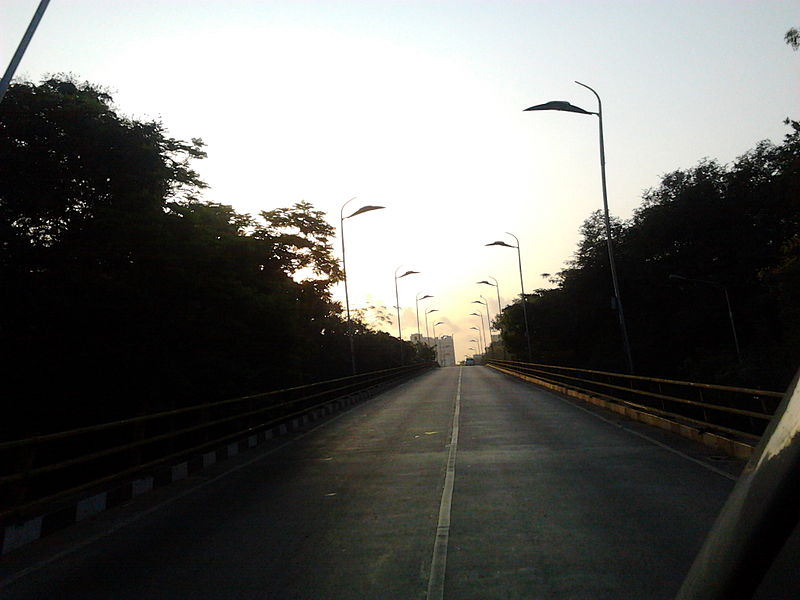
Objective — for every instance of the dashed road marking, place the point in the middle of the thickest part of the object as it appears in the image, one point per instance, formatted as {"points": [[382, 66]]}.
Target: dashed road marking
{"points": [[439, 560]]}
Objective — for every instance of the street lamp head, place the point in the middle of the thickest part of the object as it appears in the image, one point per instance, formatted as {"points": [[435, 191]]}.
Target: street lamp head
{"points": [[499, 243], [430, 310], [559, 105], [486, 282], [439, 323], [477, 302], [425, 296], [474, 315], [475, 328], [364, 209], [408, 273]]}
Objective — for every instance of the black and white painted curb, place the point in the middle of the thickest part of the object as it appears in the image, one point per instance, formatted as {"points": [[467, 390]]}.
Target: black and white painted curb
{"points": [[17, 534]]}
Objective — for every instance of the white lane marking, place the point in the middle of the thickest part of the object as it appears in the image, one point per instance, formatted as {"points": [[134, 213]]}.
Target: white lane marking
{"points": [[649, 439], [129, 521], [439, 559]]}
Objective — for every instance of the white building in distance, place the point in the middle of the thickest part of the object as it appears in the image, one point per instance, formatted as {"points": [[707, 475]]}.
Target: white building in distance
{"points": [[443, 346]]}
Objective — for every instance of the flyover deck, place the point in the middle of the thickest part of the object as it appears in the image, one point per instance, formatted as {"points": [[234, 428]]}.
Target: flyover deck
{"points": [[548, 500]]}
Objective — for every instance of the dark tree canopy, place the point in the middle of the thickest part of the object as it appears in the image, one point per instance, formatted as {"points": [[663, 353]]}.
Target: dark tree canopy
{"points": [[737, 226], [792, 38], [124, 293]]}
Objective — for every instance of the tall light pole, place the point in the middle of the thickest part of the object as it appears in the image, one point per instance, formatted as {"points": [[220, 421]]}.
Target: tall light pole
{"points": [[488, 319], [436, 341], [567, 107], [483, 326], [22, 47], [418, 299], [486, 305], [480, 335], [496, 286], [427, 312], [727, 302], [361, 210], [397, 300], [522, 291], [497, 289]]}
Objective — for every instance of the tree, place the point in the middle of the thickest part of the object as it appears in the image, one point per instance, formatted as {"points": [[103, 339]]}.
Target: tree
{"points": [[300, 237], [126, 294], [792, 38], [733, 225]]}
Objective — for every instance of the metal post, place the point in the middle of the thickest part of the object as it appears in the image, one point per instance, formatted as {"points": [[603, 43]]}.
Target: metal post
{"points": [[418, 298], [733, 327], [23, 46], [346, 294], [499, 309], [488, 321], [417, 301], [360, 211], [427, 312], [397, 299], [426, 328], [480, 334], [524, 300], [617, 295], [397, 306]]}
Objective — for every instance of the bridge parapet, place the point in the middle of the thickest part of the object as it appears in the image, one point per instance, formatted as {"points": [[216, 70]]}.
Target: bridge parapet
{"points": [[69, 474], [729, 418]]}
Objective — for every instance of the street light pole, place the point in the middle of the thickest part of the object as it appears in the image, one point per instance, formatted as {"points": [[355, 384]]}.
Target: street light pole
{"points": [[497, 289], [727, 302], [567, 107], [480, 335], [488, 320], [397, 300], [22, 47], [427, 312], [361, 210], [418, 299], [480, 316], [496, 286], [436, 341], [522, 290]]}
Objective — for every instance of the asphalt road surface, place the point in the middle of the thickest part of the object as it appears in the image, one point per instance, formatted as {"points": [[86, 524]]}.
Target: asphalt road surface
{"points": [[461, 484]]}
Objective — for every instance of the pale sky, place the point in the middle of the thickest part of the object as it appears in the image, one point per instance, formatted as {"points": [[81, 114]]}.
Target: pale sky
{"points": [[417, 106]]}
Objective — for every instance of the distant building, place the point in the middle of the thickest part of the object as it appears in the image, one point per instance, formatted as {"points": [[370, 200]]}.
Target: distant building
{"points": [[443, 346], [446, 351]]}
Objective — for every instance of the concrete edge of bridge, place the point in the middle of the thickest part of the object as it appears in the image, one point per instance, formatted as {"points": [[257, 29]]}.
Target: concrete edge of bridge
{"points": [[734, 448], [74, 510]]}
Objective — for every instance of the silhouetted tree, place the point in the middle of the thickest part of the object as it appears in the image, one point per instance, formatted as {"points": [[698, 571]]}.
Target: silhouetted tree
{"points": [[792, 38], [736, 226], [123, 293]]}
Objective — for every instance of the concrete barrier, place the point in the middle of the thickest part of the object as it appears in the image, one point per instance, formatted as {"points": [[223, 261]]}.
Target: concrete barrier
{"points": [[731, 447], [69, 512]]}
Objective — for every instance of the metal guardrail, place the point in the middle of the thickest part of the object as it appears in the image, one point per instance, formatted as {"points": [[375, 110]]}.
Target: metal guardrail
{"points": [[740, 412], [41, 470]]}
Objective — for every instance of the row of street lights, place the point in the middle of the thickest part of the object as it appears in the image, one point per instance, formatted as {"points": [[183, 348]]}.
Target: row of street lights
{"points": [[558, 105], [342, 218]]}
